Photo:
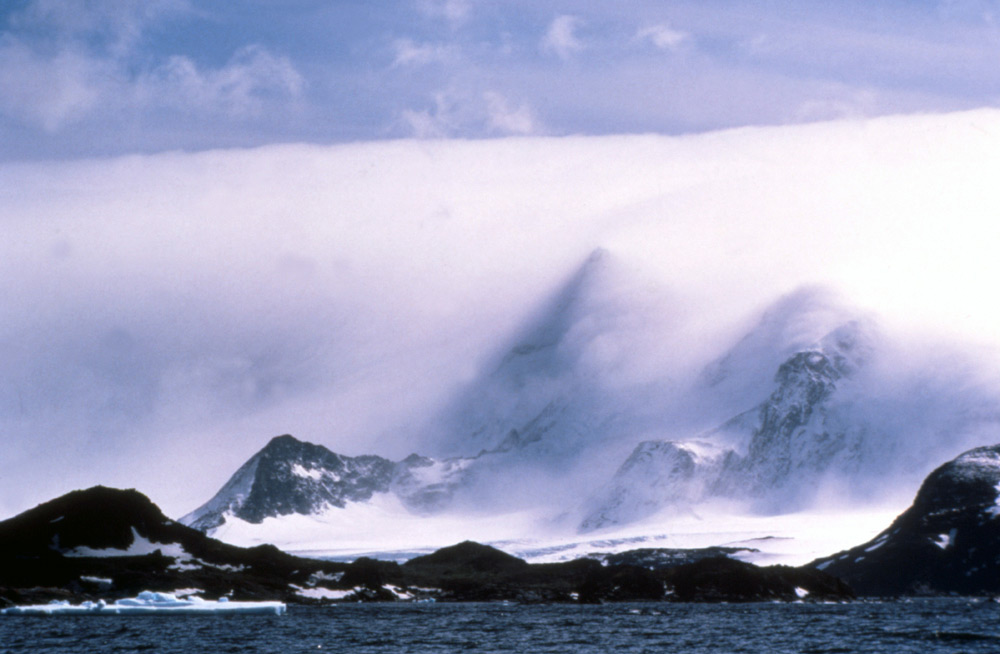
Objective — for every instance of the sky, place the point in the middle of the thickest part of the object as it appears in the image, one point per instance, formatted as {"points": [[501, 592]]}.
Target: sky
{"points": [[105, 77], [224, 222]]}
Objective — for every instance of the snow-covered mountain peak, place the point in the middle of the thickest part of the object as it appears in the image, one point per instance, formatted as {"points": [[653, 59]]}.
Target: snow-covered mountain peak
{"points": [[810, 376], [291, 476], [583, 324], [812, 317], [577, 362]]}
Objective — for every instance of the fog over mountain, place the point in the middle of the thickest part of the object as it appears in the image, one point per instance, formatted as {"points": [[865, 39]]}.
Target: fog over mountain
{"points": [[559, 443], [560, 299]]}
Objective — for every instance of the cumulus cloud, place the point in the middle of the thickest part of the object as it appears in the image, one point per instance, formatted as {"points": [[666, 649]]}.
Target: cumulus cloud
{"points": [[241, 87], [561, 37], [64, 63], [438, 121], [466, 113], [662, 36], [837, 102], [504, 118]]}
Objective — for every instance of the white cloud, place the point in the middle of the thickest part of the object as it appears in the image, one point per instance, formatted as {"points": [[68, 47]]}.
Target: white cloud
{"points": [[241, 87], [662, 36], [463, 113], [410, 53], [507, 119], [437, 122], [217, 299], [561, 38], [455, 12], [86, 64]]}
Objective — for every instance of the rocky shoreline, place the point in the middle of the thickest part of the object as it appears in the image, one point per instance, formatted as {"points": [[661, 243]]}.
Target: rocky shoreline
{"points": [[104, 543]]}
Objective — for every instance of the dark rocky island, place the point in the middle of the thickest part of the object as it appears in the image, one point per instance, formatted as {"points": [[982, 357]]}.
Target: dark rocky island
{"points": [[947, 542], [103, 543]]}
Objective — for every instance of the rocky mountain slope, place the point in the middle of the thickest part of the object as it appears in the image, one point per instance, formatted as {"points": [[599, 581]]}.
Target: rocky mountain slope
{"points": [[851, 416], [948, 541], [813, 401], [291, 476], [108, 543], [791, 441], [288, 476]]}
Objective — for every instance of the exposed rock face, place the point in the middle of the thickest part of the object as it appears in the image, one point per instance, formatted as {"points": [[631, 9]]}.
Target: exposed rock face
{"points": [[948, 541], [795, 323], [728, 580], [659, 558], [798, 437], [291, 476], [792, 442]]}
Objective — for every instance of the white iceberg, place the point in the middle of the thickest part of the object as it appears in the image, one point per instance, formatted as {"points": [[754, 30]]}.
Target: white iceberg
{"points": [[149, 602]]}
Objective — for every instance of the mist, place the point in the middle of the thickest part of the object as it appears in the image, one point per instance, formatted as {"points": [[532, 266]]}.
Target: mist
{"points": [[167, 314]]}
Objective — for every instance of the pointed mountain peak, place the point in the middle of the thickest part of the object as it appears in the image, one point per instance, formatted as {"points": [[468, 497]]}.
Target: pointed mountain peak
{"points": [[605, 298], [285, 440], [291, 476], [810, 318], [802, 317], [577, 296], [581, 351], [288, 447]]}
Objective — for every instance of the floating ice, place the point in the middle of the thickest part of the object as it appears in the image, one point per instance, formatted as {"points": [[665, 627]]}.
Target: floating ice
{"points": [[149, 602]]}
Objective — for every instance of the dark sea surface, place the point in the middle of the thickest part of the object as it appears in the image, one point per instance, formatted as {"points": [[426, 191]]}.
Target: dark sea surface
{"points": [[939, 625]]}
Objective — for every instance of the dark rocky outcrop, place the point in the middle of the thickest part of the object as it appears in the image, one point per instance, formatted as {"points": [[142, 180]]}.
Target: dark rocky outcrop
{"points": [[725, 579], [661, 558], [104, 543], [948, 541], [110, 543]]}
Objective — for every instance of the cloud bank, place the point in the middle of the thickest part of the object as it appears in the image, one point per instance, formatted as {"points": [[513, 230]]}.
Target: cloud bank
{"points": [[166, 315]]}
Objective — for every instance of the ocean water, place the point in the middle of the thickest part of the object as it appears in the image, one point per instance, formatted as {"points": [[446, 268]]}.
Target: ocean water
{"points": [[938, 625]]}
